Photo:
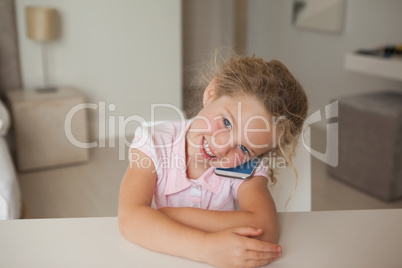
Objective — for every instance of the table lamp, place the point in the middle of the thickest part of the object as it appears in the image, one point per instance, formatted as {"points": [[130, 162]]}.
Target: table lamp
{"points": [[43, 25]]}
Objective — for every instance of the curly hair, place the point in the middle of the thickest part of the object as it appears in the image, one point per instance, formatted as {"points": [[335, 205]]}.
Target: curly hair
{"points": [[270, 82]]}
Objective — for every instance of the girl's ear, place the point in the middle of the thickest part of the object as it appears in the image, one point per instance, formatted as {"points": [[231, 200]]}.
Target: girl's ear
{"points": [[209, 92]]}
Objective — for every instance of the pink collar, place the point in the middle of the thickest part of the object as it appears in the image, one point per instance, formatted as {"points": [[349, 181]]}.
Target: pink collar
{"points": [[177, 177]]}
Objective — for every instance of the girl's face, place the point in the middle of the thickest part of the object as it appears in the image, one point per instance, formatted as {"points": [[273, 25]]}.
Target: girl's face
{"points": [[228, 131]]}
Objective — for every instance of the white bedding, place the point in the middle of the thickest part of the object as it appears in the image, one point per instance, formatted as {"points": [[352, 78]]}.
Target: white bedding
{"points": [[10, 196]]}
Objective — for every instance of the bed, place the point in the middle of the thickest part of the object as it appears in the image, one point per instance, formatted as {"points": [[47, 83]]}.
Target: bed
{"points": [[10, 195]]}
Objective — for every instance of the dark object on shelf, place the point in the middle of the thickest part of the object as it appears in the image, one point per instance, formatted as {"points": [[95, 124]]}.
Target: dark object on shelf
{"points": [[370, 52], [386, 52]]}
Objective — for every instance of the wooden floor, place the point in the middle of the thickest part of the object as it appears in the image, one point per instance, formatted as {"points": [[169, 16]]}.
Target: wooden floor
{"points": [[92, 189]]}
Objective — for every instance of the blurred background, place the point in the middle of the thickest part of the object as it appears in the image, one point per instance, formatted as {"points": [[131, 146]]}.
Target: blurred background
{"points": [[128, 55]]}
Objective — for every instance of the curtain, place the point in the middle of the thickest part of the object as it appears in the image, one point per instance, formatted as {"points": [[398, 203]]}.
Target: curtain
{"points": [[10, 73]]}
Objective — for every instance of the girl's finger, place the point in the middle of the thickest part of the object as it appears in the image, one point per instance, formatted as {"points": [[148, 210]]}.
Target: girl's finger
{"points": [[247, 231], [257, 245], [261, 255]]}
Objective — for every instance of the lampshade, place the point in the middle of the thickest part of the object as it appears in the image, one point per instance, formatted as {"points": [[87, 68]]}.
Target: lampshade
{"points": [[42, 23]]}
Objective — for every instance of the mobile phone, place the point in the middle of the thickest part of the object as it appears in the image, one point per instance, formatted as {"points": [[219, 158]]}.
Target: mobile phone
{"points": [[242, 171]]}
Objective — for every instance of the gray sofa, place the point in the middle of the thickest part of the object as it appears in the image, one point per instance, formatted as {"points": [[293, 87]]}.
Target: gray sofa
{"points": [[370, 143]]}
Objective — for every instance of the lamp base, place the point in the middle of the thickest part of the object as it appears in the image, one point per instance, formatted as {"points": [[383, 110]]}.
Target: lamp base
{"points": [[46, 89]]}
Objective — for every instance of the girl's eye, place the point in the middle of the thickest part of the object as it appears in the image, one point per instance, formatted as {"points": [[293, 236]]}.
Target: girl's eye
{"points": [[227, 123], [244, 149]]}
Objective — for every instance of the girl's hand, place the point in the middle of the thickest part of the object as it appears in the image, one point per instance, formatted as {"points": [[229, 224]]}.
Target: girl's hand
{"points": [[234, 247]]}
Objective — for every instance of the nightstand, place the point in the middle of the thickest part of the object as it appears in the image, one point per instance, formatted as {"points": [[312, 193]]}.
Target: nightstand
{"points": [[38, 120]]}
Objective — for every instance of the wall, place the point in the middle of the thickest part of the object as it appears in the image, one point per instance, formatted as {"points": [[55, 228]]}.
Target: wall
{"points": [[317, 58], [207, 24], [126, 53]]}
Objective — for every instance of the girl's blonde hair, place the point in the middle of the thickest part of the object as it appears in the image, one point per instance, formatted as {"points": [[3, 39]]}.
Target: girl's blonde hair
{"points": [[270, 82]]}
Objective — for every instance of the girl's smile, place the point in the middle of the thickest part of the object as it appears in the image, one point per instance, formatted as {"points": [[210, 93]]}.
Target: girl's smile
{"points": [[206, 150]]}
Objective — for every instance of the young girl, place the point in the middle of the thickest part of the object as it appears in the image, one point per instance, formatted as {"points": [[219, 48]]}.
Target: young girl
{"points": [[250, 108]]}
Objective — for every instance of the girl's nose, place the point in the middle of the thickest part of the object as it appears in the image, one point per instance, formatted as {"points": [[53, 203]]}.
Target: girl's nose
{"points": [[222, 143]]}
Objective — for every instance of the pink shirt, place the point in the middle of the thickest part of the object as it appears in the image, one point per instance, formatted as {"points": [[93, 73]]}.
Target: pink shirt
{"points": [[165, 145]]}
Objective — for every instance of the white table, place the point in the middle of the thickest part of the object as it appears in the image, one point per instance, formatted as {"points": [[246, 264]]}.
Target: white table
{"points": [[367, 238]]}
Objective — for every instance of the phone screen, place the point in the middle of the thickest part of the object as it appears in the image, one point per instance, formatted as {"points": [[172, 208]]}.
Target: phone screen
{"points": [[242, 171]]}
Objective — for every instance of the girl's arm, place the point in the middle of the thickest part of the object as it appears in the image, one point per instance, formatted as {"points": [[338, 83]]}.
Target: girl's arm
{"points": [[151, 229], [147, 227], [257, 209]]}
